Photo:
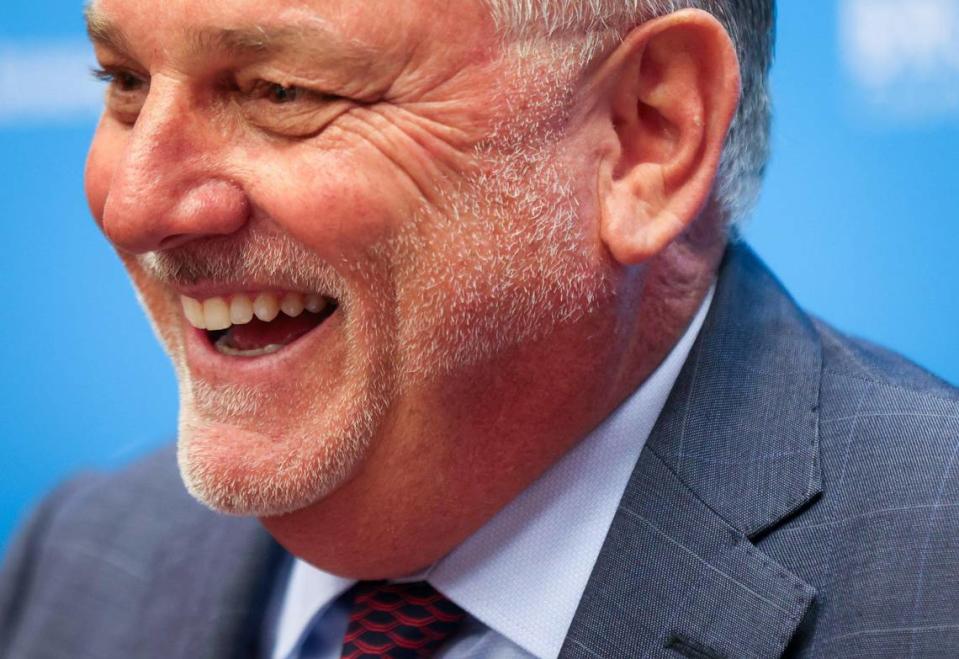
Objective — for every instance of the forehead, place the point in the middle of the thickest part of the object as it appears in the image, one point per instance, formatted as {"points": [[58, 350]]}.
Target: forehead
{"points": [[453, 27]]}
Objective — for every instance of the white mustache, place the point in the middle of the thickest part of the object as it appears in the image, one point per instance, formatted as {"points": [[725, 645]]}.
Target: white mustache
{"points": [[266, 259]]}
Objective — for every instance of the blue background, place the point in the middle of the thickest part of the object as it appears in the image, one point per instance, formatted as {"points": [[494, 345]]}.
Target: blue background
{"points": [[858, 217]]}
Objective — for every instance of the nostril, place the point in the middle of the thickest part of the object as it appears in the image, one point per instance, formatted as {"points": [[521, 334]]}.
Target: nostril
{"points": [[170, 213], [171, 241]]}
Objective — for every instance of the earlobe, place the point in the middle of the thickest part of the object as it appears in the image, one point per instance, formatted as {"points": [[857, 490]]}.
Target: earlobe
{"points": [[671, 89], [636, 220]]}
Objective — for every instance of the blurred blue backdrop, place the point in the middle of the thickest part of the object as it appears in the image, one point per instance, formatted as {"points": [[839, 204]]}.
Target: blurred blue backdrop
{"points": [[858, 217]]}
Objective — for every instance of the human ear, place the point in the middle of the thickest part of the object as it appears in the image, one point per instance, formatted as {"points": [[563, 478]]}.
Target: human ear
{"points": [[667, 97]]}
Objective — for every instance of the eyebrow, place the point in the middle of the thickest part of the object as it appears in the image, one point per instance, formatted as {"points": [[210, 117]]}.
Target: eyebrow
{"points": [[311, 41], [102, 31]]}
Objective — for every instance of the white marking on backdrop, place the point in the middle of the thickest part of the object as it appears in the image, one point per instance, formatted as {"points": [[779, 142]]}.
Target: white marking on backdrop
{"points": [[47, 82], [903, 54]]}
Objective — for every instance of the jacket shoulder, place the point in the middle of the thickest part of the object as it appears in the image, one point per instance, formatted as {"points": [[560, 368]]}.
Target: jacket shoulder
{"points": [[887, 427], [94, 555], [881, 544], [141, 503], [881, 412], [845, 356]]}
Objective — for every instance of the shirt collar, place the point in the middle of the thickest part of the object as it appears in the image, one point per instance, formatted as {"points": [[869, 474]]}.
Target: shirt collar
{"points": [[309, 593], [523, 573]]}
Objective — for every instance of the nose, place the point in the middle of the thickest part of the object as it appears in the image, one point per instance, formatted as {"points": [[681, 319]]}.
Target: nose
{"points": [[169, 185]]}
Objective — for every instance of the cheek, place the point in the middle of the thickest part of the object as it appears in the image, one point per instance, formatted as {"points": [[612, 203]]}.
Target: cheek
{"points": [[339, 203], [162, 305], [360, 182]]}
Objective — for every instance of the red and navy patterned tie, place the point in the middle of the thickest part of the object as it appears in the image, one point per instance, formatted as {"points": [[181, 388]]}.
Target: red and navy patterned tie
{"points": [[400, 621]]}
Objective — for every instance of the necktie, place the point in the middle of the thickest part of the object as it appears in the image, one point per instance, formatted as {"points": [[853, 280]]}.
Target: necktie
{"points": [[400, 621]]}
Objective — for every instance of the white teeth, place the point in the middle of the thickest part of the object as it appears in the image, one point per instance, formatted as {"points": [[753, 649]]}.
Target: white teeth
{"points": [[224, 349], [216, 314], [292, 304], [314, 303], [241, 310], [220, 313], [193, 310], [266, 307]]}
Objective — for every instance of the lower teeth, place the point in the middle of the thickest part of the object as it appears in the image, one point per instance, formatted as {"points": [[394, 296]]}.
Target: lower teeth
{"points": [[222, 347]]}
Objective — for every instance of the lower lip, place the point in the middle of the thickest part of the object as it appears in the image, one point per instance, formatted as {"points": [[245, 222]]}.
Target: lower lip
{"points": [[206, 362]]}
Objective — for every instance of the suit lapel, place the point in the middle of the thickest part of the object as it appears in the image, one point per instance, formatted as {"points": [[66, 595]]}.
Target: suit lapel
{"points": [[734, 452]]}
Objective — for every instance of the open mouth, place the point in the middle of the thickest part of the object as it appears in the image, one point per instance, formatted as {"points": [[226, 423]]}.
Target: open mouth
{"points": [[252, 325]]}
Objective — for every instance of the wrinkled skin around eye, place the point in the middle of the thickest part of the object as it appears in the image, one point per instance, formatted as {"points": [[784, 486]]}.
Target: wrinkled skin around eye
{"points": [[399, 182]]}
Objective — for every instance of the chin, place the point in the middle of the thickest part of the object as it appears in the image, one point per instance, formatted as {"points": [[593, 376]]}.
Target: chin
{"points": [[235, 470]]}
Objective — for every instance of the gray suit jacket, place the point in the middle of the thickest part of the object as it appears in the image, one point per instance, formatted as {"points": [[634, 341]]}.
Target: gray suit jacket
{"points": [[798, 496]]}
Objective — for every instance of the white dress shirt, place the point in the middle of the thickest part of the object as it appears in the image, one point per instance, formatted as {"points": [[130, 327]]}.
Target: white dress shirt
{"points": [[520, 576]]}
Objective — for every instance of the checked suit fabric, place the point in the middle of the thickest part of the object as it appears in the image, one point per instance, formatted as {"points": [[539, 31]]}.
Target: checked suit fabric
{"points": [[790, 461], [399, 620]]}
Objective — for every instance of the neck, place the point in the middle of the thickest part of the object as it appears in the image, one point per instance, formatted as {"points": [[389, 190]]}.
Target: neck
{"points": [[439, 471]]}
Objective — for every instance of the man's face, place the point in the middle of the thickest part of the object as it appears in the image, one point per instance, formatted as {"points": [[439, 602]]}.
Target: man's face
{"points": [[380, 163]]}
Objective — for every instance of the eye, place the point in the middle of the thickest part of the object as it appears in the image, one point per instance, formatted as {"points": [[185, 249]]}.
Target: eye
{"points": [[123, 81], [288, 110], [280, 94], [126, 92]]}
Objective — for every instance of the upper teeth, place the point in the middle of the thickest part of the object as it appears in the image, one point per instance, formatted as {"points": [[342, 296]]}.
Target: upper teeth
{"points": [[220, 313]]}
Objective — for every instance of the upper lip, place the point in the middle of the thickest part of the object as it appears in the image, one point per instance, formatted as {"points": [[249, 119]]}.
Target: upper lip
{"points": [[209, 289]]}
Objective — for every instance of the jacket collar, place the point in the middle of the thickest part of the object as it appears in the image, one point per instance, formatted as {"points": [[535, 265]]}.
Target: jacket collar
{"points": [[734, 453]]}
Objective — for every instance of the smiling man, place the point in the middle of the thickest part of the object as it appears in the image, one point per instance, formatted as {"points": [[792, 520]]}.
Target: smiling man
{"points": [[471, 363]]}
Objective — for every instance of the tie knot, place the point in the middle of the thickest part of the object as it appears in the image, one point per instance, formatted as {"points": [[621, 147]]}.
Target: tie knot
{"points": [[399, 620]]}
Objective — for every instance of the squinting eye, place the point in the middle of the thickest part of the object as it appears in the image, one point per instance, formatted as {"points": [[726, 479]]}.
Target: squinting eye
{"points": [[287, 109], [126, 93], [280, 94], [123, 81]]}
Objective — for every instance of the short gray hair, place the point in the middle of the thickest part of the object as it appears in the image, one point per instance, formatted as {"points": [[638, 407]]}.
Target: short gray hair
{"points": [[751, 25]]}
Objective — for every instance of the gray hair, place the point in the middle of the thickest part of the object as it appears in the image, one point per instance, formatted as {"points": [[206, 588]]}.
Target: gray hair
{"points": [[601, 23]]}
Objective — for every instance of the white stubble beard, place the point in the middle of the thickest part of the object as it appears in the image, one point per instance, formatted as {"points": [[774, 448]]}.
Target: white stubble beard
{"points": [[524, 197]]}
